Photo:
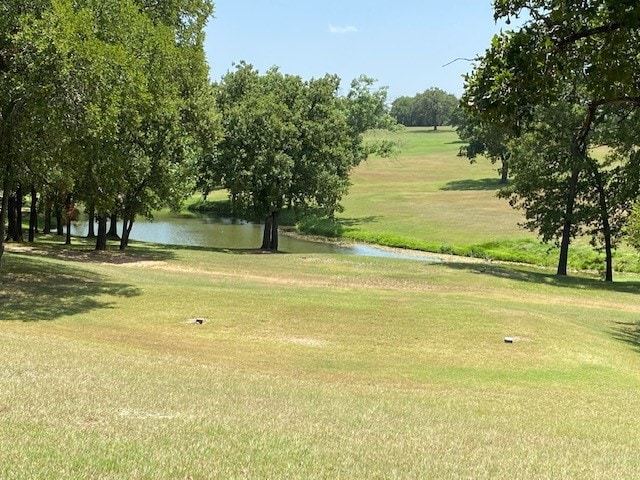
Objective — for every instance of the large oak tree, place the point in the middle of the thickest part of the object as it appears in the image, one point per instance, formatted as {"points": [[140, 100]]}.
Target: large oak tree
{"points": [[583, 54], [290, 143]]}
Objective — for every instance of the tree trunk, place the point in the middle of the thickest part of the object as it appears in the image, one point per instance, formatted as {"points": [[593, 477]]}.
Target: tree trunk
{"points": [[504, 171], [33, 215], [606, 226], [273, 246], [270, 234], [266, 235], [112, 234], [568, 223], [92, 220], [101, 238], [47, 216], [579, 154], [59, 222], [11, 217], [6, 186], [19, 237], [127, 225], [68, 212], [17, 233]]}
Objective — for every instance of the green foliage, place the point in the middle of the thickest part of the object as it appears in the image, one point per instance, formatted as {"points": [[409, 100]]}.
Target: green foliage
{"points": [[633, 227], [431, 108], [544, 161], [482, 138], [579, 57], [288, 142], [107, 100]]}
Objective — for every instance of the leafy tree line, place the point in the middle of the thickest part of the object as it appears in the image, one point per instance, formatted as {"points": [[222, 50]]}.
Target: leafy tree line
{"points": [[107, 105], [559, 100], [104, 102], [431, 108]]}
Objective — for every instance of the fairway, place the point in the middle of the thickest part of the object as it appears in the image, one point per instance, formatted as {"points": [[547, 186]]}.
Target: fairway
{"points": [[311, 366], [427, 192], [428, 198]]}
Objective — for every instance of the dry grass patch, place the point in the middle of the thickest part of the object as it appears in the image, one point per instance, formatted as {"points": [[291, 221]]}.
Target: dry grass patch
{"points": [[313, 366]]}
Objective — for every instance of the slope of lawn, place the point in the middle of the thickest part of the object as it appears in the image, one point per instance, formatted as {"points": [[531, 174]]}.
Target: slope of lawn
{"points": [[428, 198], [311, 366], [426, 191]]}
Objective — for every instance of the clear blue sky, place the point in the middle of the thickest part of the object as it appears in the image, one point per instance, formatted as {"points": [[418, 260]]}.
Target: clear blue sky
{"points": [[403, 43]]}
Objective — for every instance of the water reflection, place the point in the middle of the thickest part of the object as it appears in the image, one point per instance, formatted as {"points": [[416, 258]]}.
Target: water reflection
{"points": [[209, 231]]}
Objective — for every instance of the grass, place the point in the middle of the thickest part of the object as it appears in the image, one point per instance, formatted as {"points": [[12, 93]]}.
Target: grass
{"points": [[430, 199], [311, 366], [324, 366]]}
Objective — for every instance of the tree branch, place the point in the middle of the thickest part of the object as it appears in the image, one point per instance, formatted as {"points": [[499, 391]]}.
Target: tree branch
{"points": [[611, 101], [588, 32], [459, 58]]}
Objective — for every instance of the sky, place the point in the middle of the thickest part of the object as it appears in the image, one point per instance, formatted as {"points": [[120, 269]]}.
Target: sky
{"points": [[404, 44]]}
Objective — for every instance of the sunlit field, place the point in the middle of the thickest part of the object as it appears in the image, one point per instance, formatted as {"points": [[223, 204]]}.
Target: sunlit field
{"points": [[311, 366], [427, 197]]}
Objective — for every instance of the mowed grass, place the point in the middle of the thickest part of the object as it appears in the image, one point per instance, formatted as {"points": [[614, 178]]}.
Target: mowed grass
{"points": [[311, 366], [429, 193], [429, 198]]}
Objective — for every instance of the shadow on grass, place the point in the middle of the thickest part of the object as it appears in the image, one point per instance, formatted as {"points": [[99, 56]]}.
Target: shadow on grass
{"points": [[427, 130], [234, 251], [468, 185], [628, 332], [522, 274], [35, 290], [82, 251], [354, 222]]}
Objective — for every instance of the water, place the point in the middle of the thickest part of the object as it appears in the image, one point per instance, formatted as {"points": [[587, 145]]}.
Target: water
{"points": [[209, 231]]}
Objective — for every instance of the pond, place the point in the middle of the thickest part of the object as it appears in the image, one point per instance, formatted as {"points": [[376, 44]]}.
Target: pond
{"points": [[210, 231]]}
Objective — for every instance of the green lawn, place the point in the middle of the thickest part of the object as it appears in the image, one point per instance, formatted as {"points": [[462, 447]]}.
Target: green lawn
{"points": [[324, 366], [428, 198], [427, 192], [311, 366]]}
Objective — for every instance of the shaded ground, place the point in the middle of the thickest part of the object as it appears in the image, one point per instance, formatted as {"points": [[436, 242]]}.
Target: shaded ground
{"points": [[470, 184], [33, 289]]}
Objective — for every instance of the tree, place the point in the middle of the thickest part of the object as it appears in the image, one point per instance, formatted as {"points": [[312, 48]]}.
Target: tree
{"points": [[402, 109], [544, 161], [484, 139], [587, 50], [26, 82], [290, 143], [431, 108]]}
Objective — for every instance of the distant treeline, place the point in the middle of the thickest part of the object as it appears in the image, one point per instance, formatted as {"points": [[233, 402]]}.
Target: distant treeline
{"points": [[431, 108]]}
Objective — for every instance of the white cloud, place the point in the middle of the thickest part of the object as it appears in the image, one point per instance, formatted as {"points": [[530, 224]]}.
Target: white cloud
{"points": [[349, 29]]}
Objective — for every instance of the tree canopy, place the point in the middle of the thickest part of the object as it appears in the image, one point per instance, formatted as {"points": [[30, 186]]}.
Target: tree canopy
{"points": [[580, 57], [289, 142], [105, 102], [431, 108]]}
